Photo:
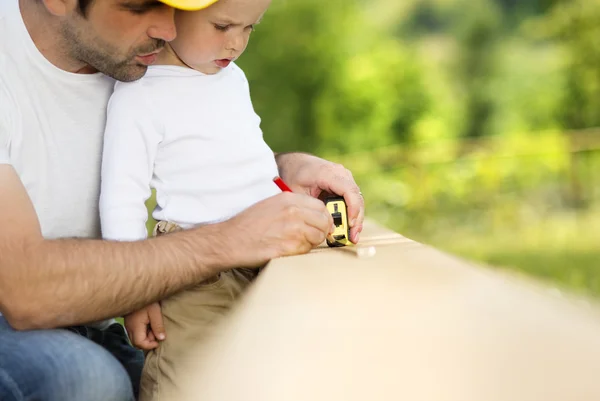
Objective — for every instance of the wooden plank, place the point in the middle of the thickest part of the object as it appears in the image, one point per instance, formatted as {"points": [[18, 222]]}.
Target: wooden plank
{"points": [[407, 323]]}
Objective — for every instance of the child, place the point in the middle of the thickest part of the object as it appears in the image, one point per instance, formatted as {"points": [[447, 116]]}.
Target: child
{"points": [[189, 130]]}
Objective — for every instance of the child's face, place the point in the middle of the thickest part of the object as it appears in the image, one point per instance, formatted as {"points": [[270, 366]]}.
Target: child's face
{"points": [[208, 40]]}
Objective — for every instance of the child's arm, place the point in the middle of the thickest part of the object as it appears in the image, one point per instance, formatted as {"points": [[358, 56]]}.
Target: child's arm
{"points": [[131, 141]]}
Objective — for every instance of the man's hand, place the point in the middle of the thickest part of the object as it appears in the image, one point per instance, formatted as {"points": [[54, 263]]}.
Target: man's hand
{"points": [[145, 327], [283, 225], [314, 176]]}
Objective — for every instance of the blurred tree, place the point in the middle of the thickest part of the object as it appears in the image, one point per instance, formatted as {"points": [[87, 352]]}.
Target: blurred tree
{"points": [[374, 101], [323, 78], [576, 24], [426, 17], [508, 76], [517, 10], [478, 33], [298, 49]]}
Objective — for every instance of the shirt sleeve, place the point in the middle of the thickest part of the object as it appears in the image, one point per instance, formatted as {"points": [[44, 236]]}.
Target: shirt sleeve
{"points": [[4, 159], [131, 140], [244, 83], [5, 124]]}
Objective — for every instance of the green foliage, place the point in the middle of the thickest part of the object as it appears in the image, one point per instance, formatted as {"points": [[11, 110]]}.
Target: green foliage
{"points": [[305, 57], [385, 98], [298, 49], [476, 64], [545, 249], [578, 27], [454, 116]]}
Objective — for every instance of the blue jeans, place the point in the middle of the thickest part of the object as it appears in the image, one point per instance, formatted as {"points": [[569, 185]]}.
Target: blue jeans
{"points": [[78, 363]]}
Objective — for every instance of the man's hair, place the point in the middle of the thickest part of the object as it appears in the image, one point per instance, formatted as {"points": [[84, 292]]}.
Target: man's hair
{"points": [[84, 5]]}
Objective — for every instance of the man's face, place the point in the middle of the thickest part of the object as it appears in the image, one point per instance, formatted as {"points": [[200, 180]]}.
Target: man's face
{"points": [[208, 40], [119, 38]]}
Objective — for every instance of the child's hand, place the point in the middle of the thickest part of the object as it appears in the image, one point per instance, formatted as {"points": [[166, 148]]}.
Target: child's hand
{"points": [[145, 327]]}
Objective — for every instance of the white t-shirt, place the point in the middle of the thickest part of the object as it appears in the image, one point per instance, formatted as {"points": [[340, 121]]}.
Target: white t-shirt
{"points": [[51, 128], [193, 137]]}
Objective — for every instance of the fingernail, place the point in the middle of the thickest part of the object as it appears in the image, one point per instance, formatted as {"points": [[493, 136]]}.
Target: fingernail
{"points": [[332, 229], [161, 336]]}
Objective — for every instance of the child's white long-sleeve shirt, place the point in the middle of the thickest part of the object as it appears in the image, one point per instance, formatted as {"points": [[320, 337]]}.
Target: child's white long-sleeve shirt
{"points": [[193, 137]]}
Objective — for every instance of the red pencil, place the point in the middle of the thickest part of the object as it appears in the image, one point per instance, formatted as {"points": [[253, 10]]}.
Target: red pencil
{"points": [[282, 185]]}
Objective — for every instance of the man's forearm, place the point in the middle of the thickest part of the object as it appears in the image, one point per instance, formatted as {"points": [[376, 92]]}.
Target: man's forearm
{"points": [[65, 282]]}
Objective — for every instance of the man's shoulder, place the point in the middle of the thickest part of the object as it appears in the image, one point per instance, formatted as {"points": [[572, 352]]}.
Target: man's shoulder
{"points": [[13, 54], [8, 112], [8, 9], [8, 102]]}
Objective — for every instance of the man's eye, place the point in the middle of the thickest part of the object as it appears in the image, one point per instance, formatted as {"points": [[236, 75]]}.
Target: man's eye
{"points": [[251, 28], [221, 28], [142, 8]]}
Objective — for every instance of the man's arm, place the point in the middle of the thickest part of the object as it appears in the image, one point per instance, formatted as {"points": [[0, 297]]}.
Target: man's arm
{"points": [[54, 283], [47, 283]]}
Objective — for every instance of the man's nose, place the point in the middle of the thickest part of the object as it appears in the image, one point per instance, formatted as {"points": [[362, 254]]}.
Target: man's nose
{"points": [[163, 26]]}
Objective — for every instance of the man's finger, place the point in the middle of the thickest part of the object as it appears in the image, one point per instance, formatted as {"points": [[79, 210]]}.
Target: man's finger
{"points": [[304, 201], [340, 181], [320, 219], [314, 236], [156, 321], [355, 203], [358, 226]]}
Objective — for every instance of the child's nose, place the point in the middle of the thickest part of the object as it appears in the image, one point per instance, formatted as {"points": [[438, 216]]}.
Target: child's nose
{"points": [[235, 42]]}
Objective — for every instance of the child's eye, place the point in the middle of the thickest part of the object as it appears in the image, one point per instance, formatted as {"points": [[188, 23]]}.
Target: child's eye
{"points": [[221, 28]]}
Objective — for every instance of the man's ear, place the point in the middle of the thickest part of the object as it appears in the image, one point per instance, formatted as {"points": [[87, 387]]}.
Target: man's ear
{"points": [[60, 8]]}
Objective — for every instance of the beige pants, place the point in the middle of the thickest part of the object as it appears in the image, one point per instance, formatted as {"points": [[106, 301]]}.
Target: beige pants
{"points": [[190, 318]]}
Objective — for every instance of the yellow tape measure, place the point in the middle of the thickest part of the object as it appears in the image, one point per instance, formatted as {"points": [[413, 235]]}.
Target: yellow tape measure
{"points": [[339, 212]]}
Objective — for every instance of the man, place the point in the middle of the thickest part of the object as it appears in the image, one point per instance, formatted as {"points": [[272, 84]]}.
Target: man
{"points": [[55, 56]]}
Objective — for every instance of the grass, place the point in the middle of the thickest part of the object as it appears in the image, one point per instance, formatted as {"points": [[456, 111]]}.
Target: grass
{"points": [[562, 249]]}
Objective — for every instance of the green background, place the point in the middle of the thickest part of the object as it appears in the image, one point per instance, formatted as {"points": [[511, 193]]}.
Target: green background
{"points": [[469, 124]]}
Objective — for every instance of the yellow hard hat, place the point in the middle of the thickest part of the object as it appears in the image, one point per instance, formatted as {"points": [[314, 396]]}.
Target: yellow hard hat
{"points": [[189, 5]]}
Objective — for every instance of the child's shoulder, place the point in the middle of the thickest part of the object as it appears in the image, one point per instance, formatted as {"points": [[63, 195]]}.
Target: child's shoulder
{"points": [[154, 76], [137, 95], [236, 69], [155, 81], [237, 73]]}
